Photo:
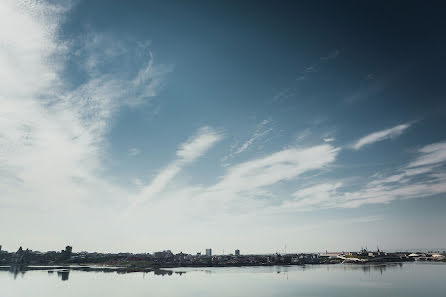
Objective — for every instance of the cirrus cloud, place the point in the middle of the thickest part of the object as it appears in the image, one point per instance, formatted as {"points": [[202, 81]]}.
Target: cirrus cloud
{"points": [[381, 135]]}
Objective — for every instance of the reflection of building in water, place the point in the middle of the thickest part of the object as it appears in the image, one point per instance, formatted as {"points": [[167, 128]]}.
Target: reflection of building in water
{"points": [[64, 274], [163, 272], [368, 268], [16, 269]]}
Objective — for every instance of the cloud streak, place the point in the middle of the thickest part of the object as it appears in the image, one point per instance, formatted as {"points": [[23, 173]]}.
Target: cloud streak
{"points": [[280, 166], [380, 136], [428, 178], [263, 129], [188, 152], [431, 155], [260, 132]]}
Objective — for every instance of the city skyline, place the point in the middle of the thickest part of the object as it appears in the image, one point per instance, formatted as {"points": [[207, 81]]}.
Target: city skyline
{"points": [[253, 126]]}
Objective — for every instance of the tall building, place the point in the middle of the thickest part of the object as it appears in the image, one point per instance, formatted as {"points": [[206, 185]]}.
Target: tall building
{"points": [[237, 252], [208, 252]]}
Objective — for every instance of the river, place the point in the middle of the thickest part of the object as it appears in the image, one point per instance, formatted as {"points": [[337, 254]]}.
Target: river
{"points": [[395, 279]]}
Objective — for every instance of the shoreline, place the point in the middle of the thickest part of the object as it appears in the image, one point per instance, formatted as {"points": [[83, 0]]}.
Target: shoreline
{"points": [[166, 269]]}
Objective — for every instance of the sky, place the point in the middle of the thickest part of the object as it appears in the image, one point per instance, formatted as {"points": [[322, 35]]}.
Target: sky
{"points": [[254, 125]]}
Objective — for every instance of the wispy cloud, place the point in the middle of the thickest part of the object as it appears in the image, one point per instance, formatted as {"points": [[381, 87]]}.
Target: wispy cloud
{"points": [[280, 166], [427, 179], [306, 198], [187, 153], [262, 129], [381, 135], [197, 145], [431, 155], [53, 132]]}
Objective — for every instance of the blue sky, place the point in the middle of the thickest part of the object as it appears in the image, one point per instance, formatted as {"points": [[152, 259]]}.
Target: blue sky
{"points": [[151, 125]]}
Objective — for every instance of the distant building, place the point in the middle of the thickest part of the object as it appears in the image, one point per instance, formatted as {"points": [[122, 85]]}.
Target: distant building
{"points": [[164, 254], [181, 256], [208, 252], [20, 257], [66, 254], [237, 252], [0, 247], [198, 254]]}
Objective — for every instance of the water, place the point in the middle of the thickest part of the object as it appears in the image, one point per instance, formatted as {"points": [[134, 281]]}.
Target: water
{"points": [[408, 279]]}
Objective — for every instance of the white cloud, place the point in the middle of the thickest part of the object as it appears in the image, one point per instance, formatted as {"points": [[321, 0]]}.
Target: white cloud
{"points": [[53, 134], [280, 166], [188, 152], [406, 183], [197, 145], [402, 177], [26, 33], [262, 129], [381, 135], [431, 154], [310, 196]]}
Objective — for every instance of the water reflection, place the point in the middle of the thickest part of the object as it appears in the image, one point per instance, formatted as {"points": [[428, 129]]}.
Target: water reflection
{"points": [[337, 280], [64, 274], [163, 272], [367, 268], [16, 270]]}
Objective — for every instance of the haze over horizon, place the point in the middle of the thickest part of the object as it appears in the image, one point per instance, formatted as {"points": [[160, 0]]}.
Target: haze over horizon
{"points": [[150, 125]]}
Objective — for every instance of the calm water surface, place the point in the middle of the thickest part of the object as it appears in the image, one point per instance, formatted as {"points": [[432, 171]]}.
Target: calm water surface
{"points": [[408, 279]]}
